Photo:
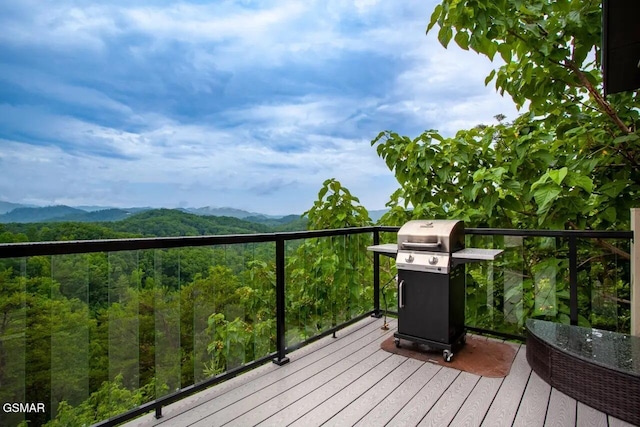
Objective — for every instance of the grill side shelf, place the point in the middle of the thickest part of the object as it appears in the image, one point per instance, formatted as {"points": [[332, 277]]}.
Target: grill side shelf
{"points": [[468, 255], [388, 249]]}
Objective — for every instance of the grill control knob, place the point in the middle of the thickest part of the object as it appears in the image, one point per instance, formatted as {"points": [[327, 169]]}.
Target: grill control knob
{"points": [[410, 258], [433, 260]]}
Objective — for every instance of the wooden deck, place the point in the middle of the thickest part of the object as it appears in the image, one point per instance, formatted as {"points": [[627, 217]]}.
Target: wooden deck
{"points": [[349, 380]]}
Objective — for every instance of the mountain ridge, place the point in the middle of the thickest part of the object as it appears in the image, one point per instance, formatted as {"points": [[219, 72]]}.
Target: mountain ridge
{"points": [[15, 212], [20, 213]]}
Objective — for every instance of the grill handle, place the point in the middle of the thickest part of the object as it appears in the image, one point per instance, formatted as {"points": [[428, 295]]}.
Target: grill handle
{"points": [[401, 294], [417, 245]]}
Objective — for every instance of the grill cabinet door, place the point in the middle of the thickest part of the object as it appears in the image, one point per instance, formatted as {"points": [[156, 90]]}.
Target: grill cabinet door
{"points": [[432, 306]]}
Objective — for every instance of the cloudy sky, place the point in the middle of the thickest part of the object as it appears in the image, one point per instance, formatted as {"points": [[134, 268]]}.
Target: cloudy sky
{"points": [[232, 103]]}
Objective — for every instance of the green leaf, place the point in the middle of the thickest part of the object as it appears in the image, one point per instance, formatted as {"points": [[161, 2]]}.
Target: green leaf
{"points": [[614, 188], [581, 181], [434, 17], [462, 38], [323, 191], [545, 197], [479, 174], [610, 214], [489, 77], [492, 48], [505, 52], [444, 35], [558, 176], [626, 138], [542, 180], [511, 203]]}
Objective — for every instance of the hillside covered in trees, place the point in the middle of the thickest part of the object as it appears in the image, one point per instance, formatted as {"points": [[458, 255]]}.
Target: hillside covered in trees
{"points": [[150, 223]]}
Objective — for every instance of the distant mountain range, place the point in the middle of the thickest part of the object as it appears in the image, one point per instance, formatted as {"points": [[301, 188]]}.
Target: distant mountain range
{"points": [[18, 213], [12, 212]]}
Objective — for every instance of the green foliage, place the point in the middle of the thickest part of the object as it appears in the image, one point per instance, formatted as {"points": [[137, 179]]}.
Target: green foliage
{"points": [[111, 399], [586, 146], [329, 279], [336, 208], [570, 162]]}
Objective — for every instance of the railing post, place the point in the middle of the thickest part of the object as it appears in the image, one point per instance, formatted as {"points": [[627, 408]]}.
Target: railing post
{"points": [[281, 358], [376, 276], [635, 272], [573, 280]]}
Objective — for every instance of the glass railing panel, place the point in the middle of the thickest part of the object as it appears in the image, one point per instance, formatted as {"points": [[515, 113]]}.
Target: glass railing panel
{"points": [[532, 279], [329, 281], [526, 280], [604, 284], [13, 333], [326, 276], [70, 326], [210, 294], [164, 284], [388, 273], [124, 280], [232, 328], [361, 289], [547, 267], [353, 285], [200, 296], [301, 306], [234, 308], [336, 278], [513, 270], [258, 296], [38, 336], [484, 286]]}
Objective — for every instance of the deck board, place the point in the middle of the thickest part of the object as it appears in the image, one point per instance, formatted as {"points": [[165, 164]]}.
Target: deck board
{"points": [[382, 413], [323, 412], [323, 390], [413, 412], [349, 380], [507, 401], [586, 416], [561, 411], [475, 407], [535, 400], [448, 405], [340, 366], [360, 407], [614, 422]]}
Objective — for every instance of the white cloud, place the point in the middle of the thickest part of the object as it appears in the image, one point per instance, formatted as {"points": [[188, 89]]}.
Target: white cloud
{"points": [[227, 102]]}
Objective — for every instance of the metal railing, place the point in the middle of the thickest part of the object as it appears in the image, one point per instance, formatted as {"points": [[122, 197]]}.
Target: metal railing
{"points": [[567, 243]]}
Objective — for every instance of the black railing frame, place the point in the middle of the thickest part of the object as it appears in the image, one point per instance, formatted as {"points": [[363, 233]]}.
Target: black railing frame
{"points": [[16, 250]]}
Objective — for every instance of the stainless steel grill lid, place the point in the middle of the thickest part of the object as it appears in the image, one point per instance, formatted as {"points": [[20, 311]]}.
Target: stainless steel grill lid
{"points": [[432, 235], [427, 245]]}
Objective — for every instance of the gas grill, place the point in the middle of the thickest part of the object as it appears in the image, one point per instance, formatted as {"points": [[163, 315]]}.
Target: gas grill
{"points": [[430, 257]]}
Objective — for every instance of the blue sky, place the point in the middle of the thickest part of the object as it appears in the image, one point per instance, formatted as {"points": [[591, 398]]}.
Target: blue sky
{"points": [[240, 103]]}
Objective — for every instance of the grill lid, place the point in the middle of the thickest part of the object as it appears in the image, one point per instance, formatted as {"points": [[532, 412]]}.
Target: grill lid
{"points": [[432, 235]]}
